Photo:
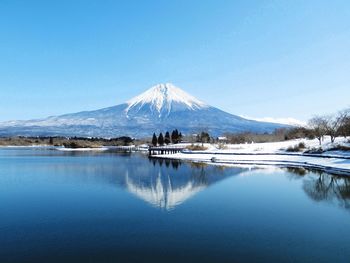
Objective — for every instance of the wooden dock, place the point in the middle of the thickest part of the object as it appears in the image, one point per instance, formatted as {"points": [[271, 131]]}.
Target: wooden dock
{"points": [[162, 150]]}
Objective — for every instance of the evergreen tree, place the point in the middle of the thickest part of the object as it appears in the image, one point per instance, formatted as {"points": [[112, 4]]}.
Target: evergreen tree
{"points": [[161, 139], [180, 137], [175, 136], [154, 140], [167, 138]]}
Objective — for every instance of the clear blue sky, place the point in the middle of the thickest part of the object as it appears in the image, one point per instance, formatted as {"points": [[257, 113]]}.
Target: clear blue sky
{"points": [[253, 58]]}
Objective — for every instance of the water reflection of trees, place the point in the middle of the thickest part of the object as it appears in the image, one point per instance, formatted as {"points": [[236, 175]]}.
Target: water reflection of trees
{"points": [[330, 188], [297, 171], [175, 164]]}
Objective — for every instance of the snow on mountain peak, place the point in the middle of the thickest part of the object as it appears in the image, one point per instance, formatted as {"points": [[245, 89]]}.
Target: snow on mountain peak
{"points": [[162, 96]]}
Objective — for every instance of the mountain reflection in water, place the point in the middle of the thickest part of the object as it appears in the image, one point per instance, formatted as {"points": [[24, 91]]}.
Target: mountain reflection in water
{"points": [[163, 184], [171, 183], [165, 188]]}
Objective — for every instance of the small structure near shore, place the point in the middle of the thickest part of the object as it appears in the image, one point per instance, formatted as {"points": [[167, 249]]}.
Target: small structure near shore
{"points": [[161, 150], [222, 139]]}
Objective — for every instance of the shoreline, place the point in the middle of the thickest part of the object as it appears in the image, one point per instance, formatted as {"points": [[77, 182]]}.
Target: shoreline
{"points": [[58, 148], [330, 158], [339, 165], [334, 162]]}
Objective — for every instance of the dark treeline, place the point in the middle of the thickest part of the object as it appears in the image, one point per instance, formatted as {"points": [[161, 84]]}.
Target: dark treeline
{"points": [[69, 142], [175, 137]]}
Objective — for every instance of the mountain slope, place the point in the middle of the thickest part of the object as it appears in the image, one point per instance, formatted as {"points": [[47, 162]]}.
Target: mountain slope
{"points": [[163, 107]]}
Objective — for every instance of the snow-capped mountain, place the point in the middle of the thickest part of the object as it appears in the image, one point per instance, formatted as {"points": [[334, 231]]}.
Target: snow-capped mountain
{"points": [[162, 107], [163, 99]]}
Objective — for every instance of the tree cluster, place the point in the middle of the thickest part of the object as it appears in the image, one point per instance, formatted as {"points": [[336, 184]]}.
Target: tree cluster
{"points": [[203, 137], [174, 138], [281, 134], [333, 125]]}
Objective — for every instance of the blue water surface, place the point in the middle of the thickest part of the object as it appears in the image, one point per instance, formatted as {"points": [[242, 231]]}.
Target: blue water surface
{"points": [[113, 207]]}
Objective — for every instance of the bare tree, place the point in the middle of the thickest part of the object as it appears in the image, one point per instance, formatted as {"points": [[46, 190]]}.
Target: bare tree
{"points": [[344, 126], [333, 123], [319, 126]]}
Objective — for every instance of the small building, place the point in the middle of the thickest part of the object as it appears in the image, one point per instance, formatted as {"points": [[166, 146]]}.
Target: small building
{"points": [[222, 139]]}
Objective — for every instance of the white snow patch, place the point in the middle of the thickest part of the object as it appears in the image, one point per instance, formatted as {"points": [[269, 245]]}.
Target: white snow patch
{"points": [[82, 149]]}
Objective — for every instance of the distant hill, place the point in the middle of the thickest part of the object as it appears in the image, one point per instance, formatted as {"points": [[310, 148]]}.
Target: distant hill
{"points": [[162, 107]]}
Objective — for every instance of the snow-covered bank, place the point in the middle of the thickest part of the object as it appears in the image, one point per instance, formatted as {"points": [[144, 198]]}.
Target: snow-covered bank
{"points": [[102, 148], [272, 147], [273, 154], [81, 149], [27, 146], [339, 165], [58, 148]]}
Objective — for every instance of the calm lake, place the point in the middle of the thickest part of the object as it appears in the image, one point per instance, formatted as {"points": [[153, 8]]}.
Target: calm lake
{"points": [[109, 207]]}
